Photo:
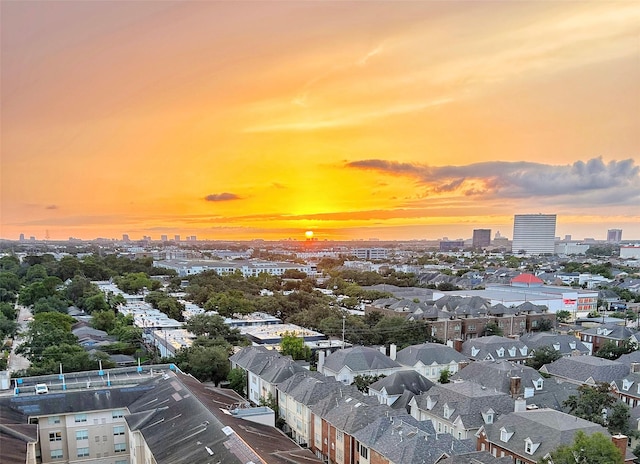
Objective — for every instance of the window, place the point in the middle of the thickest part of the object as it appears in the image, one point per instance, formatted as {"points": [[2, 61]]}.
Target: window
{"points": [[82, 434], [55, 436], [118, 413], [500, 352], [528, 447], [80, 418], [505, 435], [83, 452], [53, 420], [120, 447], [118, 430], [512, 351], [364, 452], [539, 384], [56, 454]]}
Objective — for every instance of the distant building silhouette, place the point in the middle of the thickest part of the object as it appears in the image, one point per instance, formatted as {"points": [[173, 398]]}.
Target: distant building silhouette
{"points": [[614, 235], [481, 238]]}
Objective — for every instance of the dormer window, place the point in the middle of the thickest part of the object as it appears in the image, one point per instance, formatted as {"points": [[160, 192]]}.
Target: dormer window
{"points": [[488, 416], [626, 384], [448, 411], [556, 346], [500, 352], [512, 351], [430, 403], [474, 351], [524, 350], [538, 383], [505, 435], [529, 446], [572, 345]]}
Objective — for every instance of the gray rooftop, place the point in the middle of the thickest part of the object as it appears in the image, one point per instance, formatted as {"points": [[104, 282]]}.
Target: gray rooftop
{"points": [[586, 369], [359, 359], [428, 354]]}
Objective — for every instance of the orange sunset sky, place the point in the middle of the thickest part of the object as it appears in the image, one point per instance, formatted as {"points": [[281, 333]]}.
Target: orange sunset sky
{"points": [[386, 119]]}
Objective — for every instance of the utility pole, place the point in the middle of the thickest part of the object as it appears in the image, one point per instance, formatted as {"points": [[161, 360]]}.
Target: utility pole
{"points": [[343, 320]]}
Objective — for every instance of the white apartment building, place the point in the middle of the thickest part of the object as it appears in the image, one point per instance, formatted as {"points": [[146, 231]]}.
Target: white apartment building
{"points": [[534, 233]]}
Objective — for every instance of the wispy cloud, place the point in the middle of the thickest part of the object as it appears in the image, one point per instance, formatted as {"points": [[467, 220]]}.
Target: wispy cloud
{"points": [[51, 207], [222, 197]]}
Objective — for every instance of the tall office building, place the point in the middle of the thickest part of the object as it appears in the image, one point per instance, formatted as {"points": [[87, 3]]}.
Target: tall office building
{"points": [[614, 235], [534, 233], [481, 238], [163, 238]]}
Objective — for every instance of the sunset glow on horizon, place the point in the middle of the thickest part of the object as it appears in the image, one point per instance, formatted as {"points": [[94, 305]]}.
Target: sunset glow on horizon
{"points": [[324, 120]]}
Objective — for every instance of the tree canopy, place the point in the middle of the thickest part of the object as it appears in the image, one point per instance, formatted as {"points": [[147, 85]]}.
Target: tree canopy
{"points": [[596, 448]]}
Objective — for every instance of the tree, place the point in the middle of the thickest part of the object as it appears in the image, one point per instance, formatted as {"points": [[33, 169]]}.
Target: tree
{"points": [[543, 355], [618, 419], [208, 324], [563, 315], [47, 329], [362, 382], [103, 320], [95, 302], [238, 380], [133, 283], [588, 449], [291, 345], [445, 375], [492, 328], [610, 350], [204, 363], [544, 325], [590, 402]]}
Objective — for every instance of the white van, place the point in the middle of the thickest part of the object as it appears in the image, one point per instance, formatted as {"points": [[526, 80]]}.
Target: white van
{"points": [[41, 388]]}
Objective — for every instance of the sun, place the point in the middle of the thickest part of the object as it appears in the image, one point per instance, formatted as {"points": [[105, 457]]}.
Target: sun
{"points": [[309, 234]]}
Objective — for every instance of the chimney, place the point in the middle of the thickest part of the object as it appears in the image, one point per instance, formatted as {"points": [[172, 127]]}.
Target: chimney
{"points": [[520, 405], [457, 345], [392, 351], [383, 350], [635, 367], [621, 443], [321, 361], [514, 386]]}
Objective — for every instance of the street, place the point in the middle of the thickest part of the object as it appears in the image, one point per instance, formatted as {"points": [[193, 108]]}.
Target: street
{"points": [[16, 361]]}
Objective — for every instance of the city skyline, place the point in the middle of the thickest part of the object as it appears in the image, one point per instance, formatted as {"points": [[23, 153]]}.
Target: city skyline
{"points": [[354, 120]]}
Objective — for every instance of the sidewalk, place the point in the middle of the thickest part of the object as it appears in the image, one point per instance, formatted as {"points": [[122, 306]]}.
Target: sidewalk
{"points": [[18, 362]]}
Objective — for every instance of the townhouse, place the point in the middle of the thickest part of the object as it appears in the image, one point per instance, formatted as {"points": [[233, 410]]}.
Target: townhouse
{"points": [[530, 436], [588, 370], [460, 408], [494, 348], [430, 359], [346, 364]]}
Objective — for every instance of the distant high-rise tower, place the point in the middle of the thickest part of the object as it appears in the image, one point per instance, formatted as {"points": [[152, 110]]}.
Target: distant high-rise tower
{"points": [[534, 233], [614, 235], [177, 238], [22, 237], [481, 238], [125, 238], [163, 238]]}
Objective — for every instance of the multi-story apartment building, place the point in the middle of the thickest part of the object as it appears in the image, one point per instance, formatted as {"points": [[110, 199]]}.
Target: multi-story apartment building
{"points": [[534, 233], [481, 238], [614, 235]]}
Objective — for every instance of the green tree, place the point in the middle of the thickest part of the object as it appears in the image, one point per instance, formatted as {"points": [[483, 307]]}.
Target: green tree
{"points": [[95, 302], [204, 363], [563, 315], [543, 355], [103, 320], [269, 401], [445, 375], [72, 357], [45, 330], [292, 345], [610, 350], [492, 328], [362, 382], [590, 402], [208, 324], [133, 283], [51, 303], [238, 380], [588, 449], [618, 419]]}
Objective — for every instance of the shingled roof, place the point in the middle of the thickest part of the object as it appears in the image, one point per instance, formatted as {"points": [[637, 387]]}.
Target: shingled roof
{"points": [[428, 354], [586, 369], [358, 359]]}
